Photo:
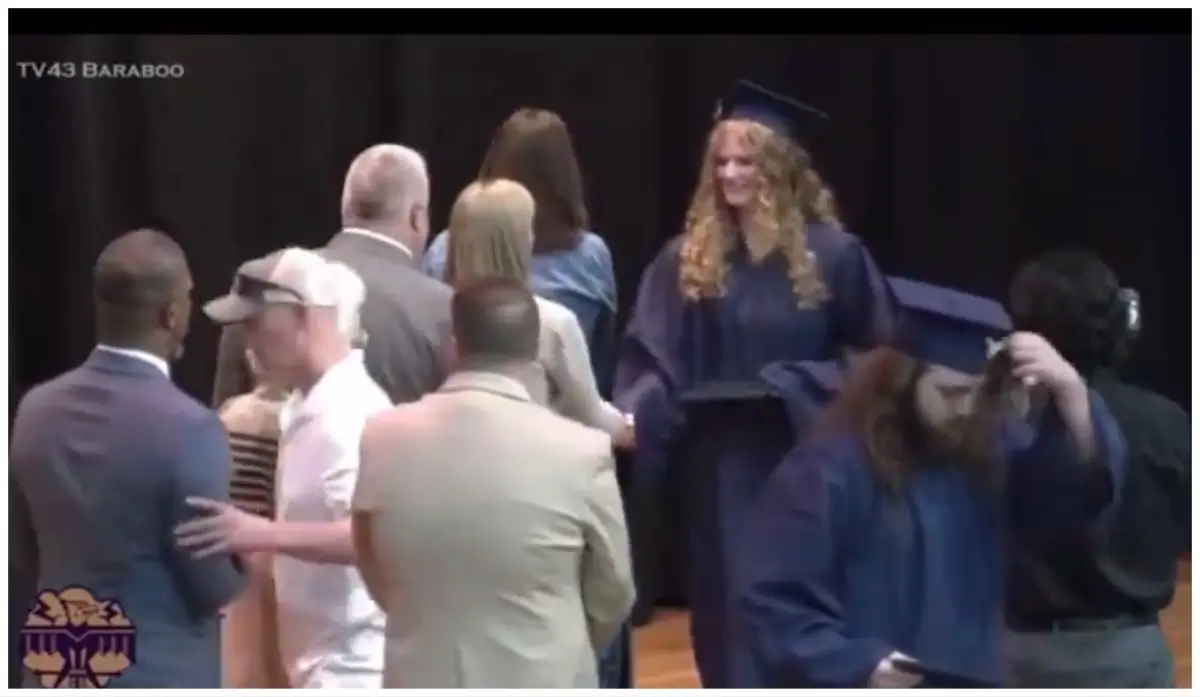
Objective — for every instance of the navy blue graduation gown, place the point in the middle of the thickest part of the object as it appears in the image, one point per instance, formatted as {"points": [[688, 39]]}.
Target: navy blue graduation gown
{"points": [[836, 574], [674, 348]]}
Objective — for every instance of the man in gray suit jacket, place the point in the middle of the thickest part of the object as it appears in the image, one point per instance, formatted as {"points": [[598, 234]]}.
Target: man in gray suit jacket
{"points": [[488, 528], [102, 460], [385, 226]]}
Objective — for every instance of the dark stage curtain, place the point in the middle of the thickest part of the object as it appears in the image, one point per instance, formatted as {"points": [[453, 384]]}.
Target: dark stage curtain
{"points": [[954, 157]]}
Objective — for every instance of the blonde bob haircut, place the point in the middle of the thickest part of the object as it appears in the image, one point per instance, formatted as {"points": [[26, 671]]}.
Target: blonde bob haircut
{"points": [[491, 232]]}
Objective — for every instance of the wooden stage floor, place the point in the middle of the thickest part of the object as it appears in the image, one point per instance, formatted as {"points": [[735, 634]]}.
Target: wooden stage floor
{"points": [[664, 655]]}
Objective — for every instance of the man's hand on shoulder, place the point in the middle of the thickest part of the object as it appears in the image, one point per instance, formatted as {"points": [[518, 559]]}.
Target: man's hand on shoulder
{"points": [[222, 528]]}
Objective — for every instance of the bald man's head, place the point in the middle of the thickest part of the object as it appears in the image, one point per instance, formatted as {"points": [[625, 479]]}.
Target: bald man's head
{"points": [[142, 288], [494, 321], [387, 191]]}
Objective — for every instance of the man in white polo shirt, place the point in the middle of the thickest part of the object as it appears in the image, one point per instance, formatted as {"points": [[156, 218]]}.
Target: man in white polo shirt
{"points": [[300, 313]]}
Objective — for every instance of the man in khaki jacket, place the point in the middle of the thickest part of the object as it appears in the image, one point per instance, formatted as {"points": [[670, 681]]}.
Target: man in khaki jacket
{"points": [[488, 528]]}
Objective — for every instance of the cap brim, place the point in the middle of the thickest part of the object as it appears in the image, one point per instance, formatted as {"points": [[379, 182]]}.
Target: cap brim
{"points": [[231, 309]]}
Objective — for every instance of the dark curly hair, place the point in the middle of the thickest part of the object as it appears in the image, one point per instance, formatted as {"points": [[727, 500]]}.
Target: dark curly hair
{"points": [[1073, 299]]}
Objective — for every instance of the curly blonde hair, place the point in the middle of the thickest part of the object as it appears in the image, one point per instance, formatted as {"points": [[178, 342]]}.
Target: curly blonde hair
{"points": [[790, 194]]}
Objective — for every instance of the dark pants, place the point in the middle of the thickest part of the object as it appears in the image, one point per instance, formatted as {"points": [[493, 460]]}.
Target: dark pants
{"points": [[1129, 658], [616, 663]]}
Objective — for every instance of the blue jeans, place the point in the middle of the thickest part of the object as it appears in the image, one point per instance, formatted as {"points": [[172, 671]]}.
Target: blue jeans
{"points": [[1129, 658], [615, 663]]}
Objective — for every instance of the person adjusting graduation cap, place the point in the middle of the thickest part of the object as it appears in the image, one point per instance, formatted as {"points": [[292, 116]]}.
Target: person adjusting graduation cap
{"points": [[874, 557], [764, 271]]}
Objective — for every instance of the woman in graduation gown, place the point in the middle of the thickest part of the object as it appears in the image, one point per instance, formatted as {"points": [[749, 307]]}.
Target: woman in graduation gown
{"points": [[763, 272], [876, 555]]}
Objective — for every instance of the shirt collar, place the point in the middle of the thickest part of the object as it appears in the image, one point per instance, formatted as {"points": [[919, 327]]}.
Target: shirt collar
{"points": [[378, 238], [140, 355], [483, 381], [299, 406]]}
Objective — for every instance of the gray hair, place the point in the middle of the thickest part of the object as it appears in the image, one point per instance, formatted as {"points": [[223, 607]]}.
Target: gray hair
{"points": [[383, 184]]}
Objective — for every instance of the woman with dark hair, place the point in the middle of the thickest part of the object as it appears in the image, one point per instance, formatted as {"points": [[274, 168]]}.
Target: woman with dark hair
{"points": [[1083, 605], [571, 265], [763, 272], [875, 557]]}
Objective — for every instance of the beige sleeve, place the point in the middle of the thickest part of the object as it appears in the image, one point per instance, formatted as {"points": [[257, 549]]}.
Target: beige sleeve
{"points": [[365, 497], [607, 571], [570, 369]]}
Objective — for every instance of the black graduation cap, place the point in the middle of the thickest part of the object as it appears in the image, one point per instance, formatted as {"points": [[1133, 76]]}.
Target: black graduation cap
{"points": [[947, 327], [784, 115]]}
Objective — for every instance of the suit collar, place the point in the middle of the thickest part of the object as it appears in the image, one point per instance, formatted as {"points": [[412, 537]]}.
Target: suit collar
{"points": [[480, 381], [112, 359], [373, 243]]}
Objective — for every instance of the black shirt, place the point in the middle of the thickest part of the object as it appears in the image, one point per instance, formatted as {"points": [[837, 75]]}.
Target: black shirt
{"points": [[1126, 563]]}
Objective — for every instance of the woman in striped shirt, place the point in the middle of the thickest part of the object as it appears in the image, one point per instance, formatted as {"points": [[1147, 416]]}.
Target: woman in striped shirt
{"points": [[250, 646]]}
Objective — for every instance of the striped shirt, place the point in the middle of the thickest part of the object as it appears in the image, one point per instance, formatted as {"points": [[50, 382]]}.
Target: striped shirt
{"points": [[250, 634], [252, 482], [252, 422]]}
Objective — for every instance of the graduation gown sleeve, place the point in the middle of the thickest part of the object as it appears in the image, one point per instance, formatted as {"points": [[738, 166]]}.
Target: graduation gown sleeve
{"points": [[648, 365], [862, 316], [786, 589], [1049, 484], [863, 307]]}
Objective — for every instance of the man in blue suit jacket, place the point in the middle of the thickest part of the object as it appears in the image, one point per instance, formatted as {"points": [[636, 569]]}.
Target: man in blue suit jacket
{"points": [[103, 458]]}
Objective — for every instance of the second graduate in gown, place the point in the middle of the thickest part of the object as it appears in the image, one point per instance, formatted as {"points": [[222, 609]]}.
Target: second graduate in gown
{"points": [[876, 557]]}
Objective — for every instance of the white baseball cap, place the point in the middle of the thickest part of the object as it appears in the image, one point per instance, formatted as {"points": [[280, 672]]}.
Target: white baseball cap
{"points": [[291, 276]]}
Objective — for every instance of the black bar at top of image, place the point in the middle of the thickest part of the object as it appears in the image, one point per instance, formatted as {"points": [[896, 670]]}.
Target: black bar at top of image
{"points": [[566, 21]]}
